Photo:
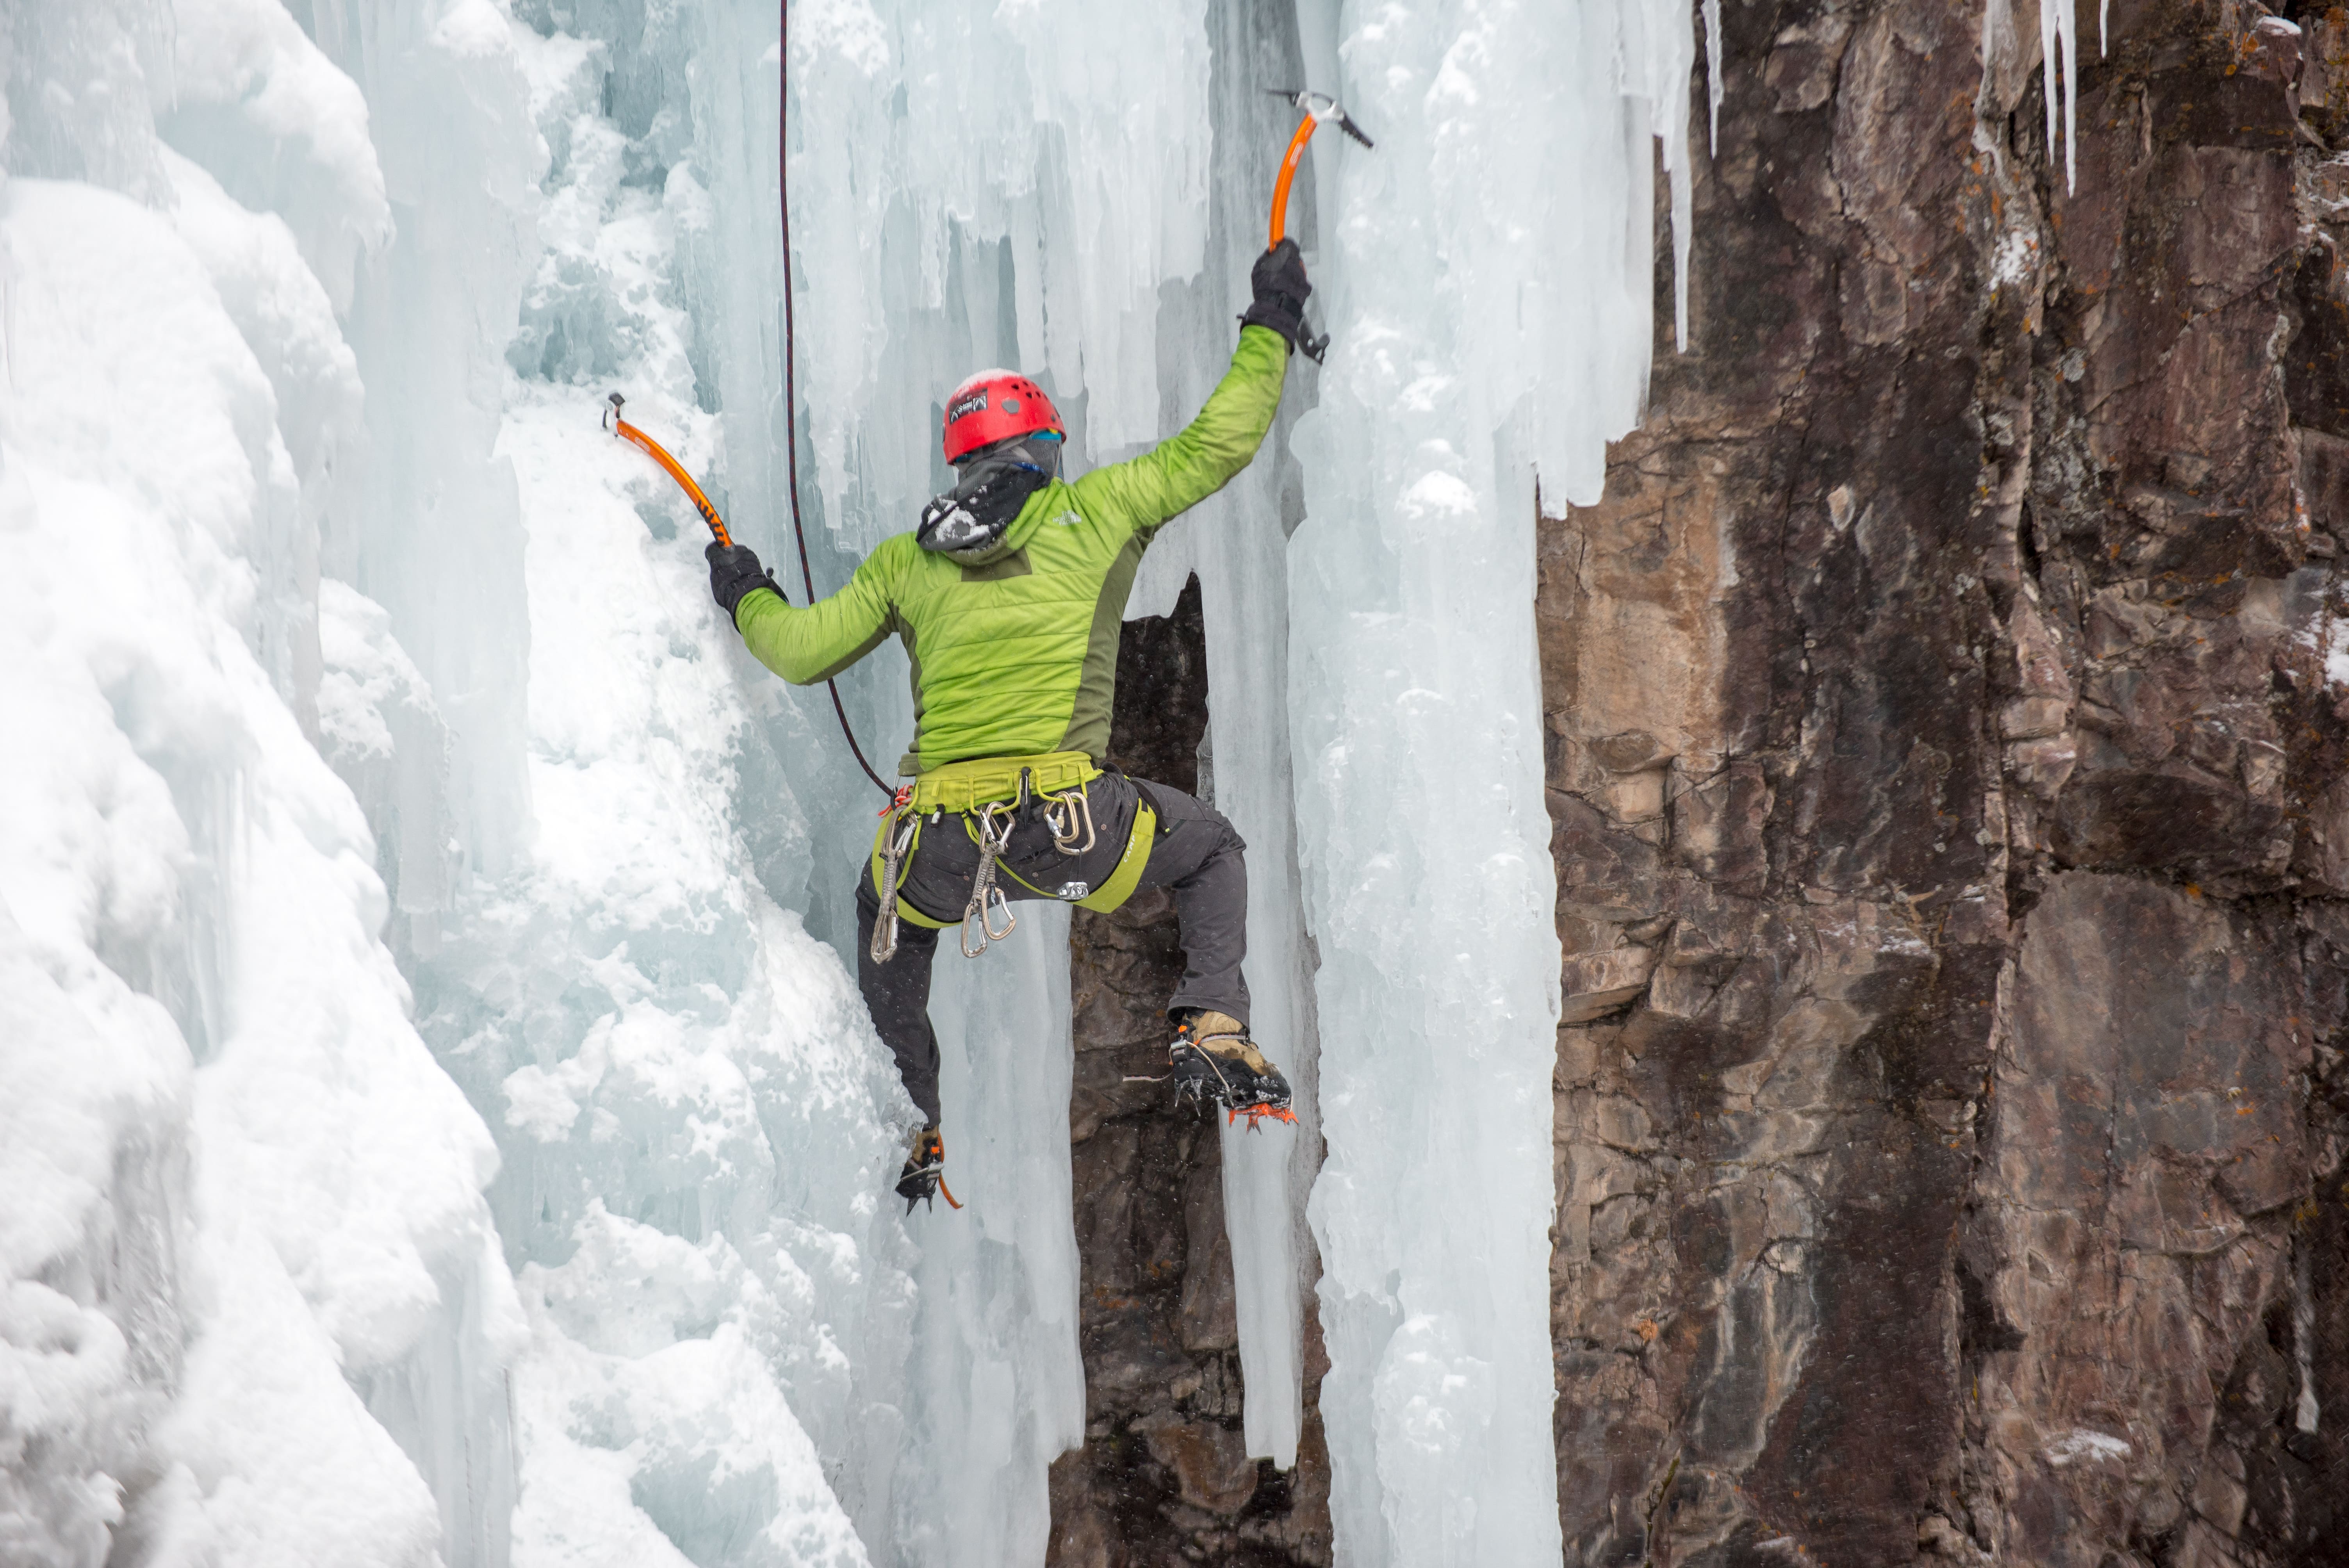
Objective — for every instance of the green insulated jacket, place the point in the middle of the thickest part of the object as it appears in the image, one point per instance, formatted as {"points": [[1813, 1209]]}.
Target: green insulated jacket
{"points": [[1018, 655]]}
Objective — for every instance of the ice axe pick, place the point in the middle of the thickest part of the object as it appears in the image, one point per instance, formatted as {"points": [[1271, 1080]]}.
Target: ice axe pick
{"points": [[1320, 108]]}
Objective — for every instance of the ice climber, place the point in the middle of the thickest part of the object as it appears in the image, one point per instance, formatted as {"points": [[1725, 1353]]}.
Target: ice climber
{"points": [[1010, 598]]}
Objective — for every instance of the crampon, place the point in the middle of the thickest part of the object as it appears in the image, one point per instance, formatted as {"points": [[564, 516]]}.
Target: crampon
{"points": [[923, 1178], [1214, 1059]]}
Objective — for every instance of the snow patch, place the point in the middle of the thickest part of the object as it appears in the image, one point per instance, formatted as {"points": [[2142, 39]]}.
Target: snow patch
{"points": [[2084, 1443]]}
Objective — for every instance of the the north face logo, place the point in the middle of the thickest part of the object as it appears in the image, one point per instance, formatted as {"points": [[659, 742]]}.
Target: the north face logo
{"points": [[976, 403]]}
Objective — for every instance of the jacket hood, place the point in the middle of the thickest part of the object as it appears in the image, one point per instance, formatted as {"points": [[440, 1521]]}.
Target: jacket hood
{"points": [[1050, 502]]}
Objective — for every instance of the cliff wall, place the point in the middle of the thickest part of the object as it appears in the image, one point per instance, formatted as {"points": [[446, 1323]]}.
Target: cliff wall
{"points": [[1946, 712]]}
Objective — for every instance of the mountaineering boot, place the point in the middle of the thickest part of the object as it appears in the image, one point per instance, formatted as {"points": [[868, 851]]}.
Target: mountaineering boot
{"points": [[924, 1174], [1214, 1059]]}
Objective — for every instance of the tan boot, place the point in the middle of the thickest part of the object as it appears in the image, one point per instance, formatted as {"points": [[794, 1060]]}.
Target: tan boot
{"points": [[1214, 1059]]}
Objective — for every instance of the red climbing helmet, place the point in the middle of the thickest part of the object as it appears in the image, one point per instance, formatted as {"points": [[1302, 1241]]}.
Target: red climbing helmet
{"points": [[995, 406]]}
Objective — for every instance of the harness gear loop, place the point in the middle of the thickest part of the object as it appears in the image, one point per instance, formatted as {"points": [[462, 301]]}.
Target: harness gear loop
{"points": [[892, 861], [960, 787]]}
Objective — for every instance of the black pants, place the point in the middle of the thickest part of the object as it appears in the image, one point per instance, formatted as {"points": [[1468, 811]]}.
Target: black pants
{"points": [[1196, 857]]}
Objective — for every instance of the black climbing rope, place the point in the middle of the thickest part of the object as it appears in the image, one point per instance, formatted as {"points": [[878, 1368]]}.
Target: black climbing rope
{"points": [[790, 355]]}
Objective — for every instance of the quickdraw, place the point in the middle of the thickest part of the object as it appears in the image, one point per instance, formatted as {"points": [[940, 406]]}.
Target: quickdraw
{"points": [[992, 842], [892, 861]]}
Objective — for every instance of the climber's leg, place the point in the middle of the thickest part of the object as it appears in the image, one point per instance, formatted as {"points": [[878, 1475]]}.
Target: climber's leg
{"points": [[898, 994], [1200, 859]]}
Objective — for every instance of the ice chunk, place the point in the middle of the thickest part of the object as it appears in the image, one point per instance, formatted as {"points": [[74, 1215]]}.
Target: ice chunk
{"points": [[91, 1130], [260, 106]]}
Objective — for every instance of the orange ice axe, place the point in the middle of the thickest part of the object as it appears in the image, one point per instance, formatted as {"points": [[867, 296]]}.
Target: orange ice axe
{"points": [[675, 471], [1320, 109]]}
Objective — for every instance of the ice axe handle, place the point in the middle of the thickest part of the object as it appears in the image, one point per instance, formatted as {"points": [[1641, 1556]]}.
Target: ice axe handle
{"points": [[1287, 176], [675, 469], [1313, 347]]}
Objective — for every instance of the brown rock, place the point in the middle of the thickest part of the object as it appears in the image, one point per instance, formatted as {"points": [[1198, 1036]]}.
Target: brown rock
{"points": [[1163, 1474], [1598, 983], [1932, 1194], [1210, 1463]]}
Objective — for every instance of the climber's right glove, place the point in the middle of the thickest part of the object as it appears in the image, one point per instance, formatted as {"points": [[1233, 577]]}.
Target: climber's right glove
{"points": [[734, 571], [1280, 292]]}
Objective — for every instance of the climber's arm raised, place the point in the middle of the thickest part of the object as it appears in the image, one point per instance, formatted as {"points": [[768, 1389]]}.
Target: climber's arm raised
{"points": [[1185, 471], [1186, 468]]}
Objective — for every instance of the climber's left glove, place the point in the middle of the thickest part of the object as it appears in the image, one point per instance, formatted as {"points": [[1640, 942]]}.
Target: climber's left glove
{"points": [[1280, 292], [734, 571]]}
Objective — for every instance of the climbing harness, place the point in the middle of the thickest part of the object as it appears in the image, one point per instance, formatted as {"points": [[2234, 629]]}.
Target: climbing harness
{"points": [[1320, 108], [989, 796]]}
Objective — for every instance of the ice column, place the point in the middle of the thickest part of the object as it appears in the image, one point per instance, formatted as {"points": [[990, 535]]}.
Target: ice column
{"points": [[1238, 542], [1486, 274], [1014, 181]]}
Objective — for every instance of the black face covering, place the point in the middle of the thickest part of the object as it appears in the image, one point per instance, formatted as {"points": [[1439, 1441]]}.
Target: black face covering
{"points": [[994, 482]]}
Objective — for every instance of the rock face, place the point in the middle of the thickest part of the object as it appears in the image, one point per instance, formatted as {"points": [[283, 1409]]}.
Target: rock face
{"points": [[1947, 705], [1165, 1474]]}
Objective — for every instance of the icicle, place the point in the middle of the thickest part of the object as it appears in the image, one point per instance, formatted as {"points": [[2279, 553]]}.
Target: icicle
{"points": [[2304, 1334], [2057, 24], [1712, 72]]}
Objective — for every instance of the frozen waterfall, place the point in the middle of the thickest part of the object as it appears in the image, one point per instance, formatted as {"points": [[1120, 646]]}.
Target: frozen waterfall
{"points": [[437, 1120]]}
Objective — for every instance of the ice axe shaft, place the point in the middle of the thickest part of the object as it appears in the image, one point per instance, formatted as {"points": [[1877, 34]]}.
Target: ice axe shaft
{"points": [[659, 454], [1318, 108]]}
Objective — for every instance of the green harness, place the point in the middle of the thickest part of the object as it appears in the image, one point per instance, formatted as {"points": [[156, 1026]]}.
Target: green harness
{"points": [[975, 792]]}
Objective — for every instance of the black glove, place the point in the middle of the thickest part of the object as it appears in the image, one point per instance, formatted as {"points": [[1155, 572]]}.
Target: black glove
{"points": [[734, 571], [1280, 291]]}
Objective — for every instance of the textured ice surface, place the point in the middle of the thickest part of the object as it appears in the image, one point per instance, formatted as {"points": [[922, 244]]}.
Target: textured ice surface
{"points": [[976, 182], [239, 1186], [253, 1309]]}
